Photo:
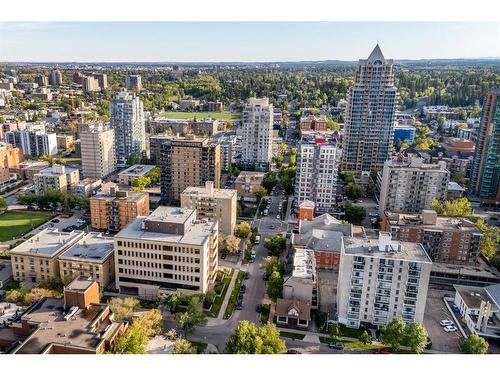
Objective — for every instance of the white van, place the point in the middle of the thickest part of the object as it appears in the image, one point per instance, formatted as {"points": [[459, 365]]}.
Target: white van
{"points": [[257, 239]]}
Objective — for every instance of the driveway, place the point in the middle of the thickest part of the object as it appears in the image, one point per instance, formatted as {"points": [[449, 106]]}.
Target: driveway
{"points": [[435, 311]]}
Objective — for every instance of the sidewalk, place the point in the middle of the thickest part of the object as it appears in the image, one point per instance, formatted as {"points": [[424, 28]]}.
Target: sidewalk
{"points": [[229, 291]]}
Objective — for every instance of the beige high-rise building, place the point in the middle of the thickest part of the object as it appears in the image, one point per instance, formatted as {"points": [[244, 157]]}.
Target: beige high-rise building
{"points": [[90, 84], [218, 205], [408, 184], [187, 161], [98, 152], [168, 250]]}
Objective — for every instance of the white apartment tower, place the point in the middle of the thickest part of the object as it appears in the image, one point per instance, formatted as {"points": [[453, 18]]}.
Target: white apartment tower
{"points": [[127, 119], [98, 152], [381, 280], [257, 137], [408, 185], [370, 115], [316, 177]]}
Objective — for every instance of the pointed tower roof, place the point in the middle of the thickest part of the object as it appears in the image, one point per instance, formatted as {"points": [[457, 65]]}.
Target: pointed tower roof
{"points": [[376, 55]]}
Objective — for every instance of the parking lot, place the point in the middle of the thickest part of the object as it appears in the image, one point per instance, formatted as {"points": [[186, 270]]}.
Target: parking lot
{"points": [[435, 311]]}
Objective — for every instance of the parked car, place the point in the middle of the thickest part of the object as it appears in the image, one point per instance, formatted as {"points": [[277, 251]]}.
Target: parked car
{"points": [[265, 276], [293, 351], [259, 308], [450, 329], [55, 221], [243, 288], [429, 343], [257, 240], [336, 345], [446, 322], [253, 254], [239, 306], [223, 255], [247, 275]]}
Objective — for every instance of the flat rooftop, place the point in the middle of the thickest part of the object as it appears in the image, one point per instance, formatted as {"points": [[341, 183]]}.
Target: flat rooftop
{"points": [[170, 214], [137, 170], [48, 243], [442, 222], [53, 329], [80, 284], [51, 172], [249, 175], [204, 192], [125, 195], [409, 251], [197, 231], [93, 247], [303, 263], [474, 295]]}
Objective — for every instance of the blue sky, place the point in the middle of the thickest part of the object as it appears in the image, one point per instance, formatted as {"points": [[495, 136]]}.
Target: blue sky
{"points": [[243, 41]]}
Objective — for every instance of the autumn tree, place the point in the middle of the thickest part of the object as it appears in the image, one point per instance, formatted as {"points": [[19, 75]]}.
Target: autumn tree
{"points": [[123, 308], [183, 346], [242, 230]]}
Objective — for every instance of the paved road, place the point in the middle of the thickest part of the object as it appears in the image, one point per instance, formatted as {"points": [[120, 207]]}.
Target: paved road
{"points": [[255, 292]]}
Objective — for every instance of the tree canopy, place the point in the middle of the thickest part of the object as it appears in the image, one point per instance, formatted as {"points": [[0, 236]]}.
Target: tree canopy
{"points": [[249, 339], [474, 344]]}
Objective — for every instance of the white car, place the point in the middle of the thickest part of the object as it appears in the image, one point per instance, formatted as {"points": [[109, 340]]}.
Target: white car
{"points": [[446, 322], [450, 328]]}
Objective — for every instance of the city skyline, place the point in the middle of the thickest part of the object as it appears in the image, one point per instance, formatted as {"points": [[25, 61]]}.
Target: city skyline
{"points": [[243, 41]]}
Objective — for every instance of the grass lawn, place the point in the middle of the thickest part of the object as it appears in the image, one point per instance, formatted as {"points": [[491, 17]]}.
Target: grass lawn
{"points": [[234, 295], [200, 346], [353, 344], [264, 315], [227, 116], [292, 335], [14, 224], [216, 305], [350, 332]]}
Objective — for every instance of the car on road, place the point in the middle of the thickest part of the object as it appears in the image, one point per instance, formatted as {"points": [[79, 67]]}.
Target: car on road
{"points": [[257, 240], [446, 322], [278, 217], [336, 345], [253, 254], [450, 329], [266, 212]]}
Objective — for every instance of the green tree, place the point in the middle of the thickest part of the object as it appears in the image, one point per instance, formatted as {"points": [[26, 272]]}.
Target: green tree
{"points": [[355, 191], [269, 180], [490, 240], [334, 332], [154, 175], [29, 199], [192, 317], [454, 208], [248, 339], [275, 245], [3, 205], [242, 230], [458, 177], [278, 160], [140, 183], [354, 214], [393, 334], [274, 285], [415, 337], [474, 344], [183, 346], [134, 340], [272, 264], [365, 338], [259, 193]]}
